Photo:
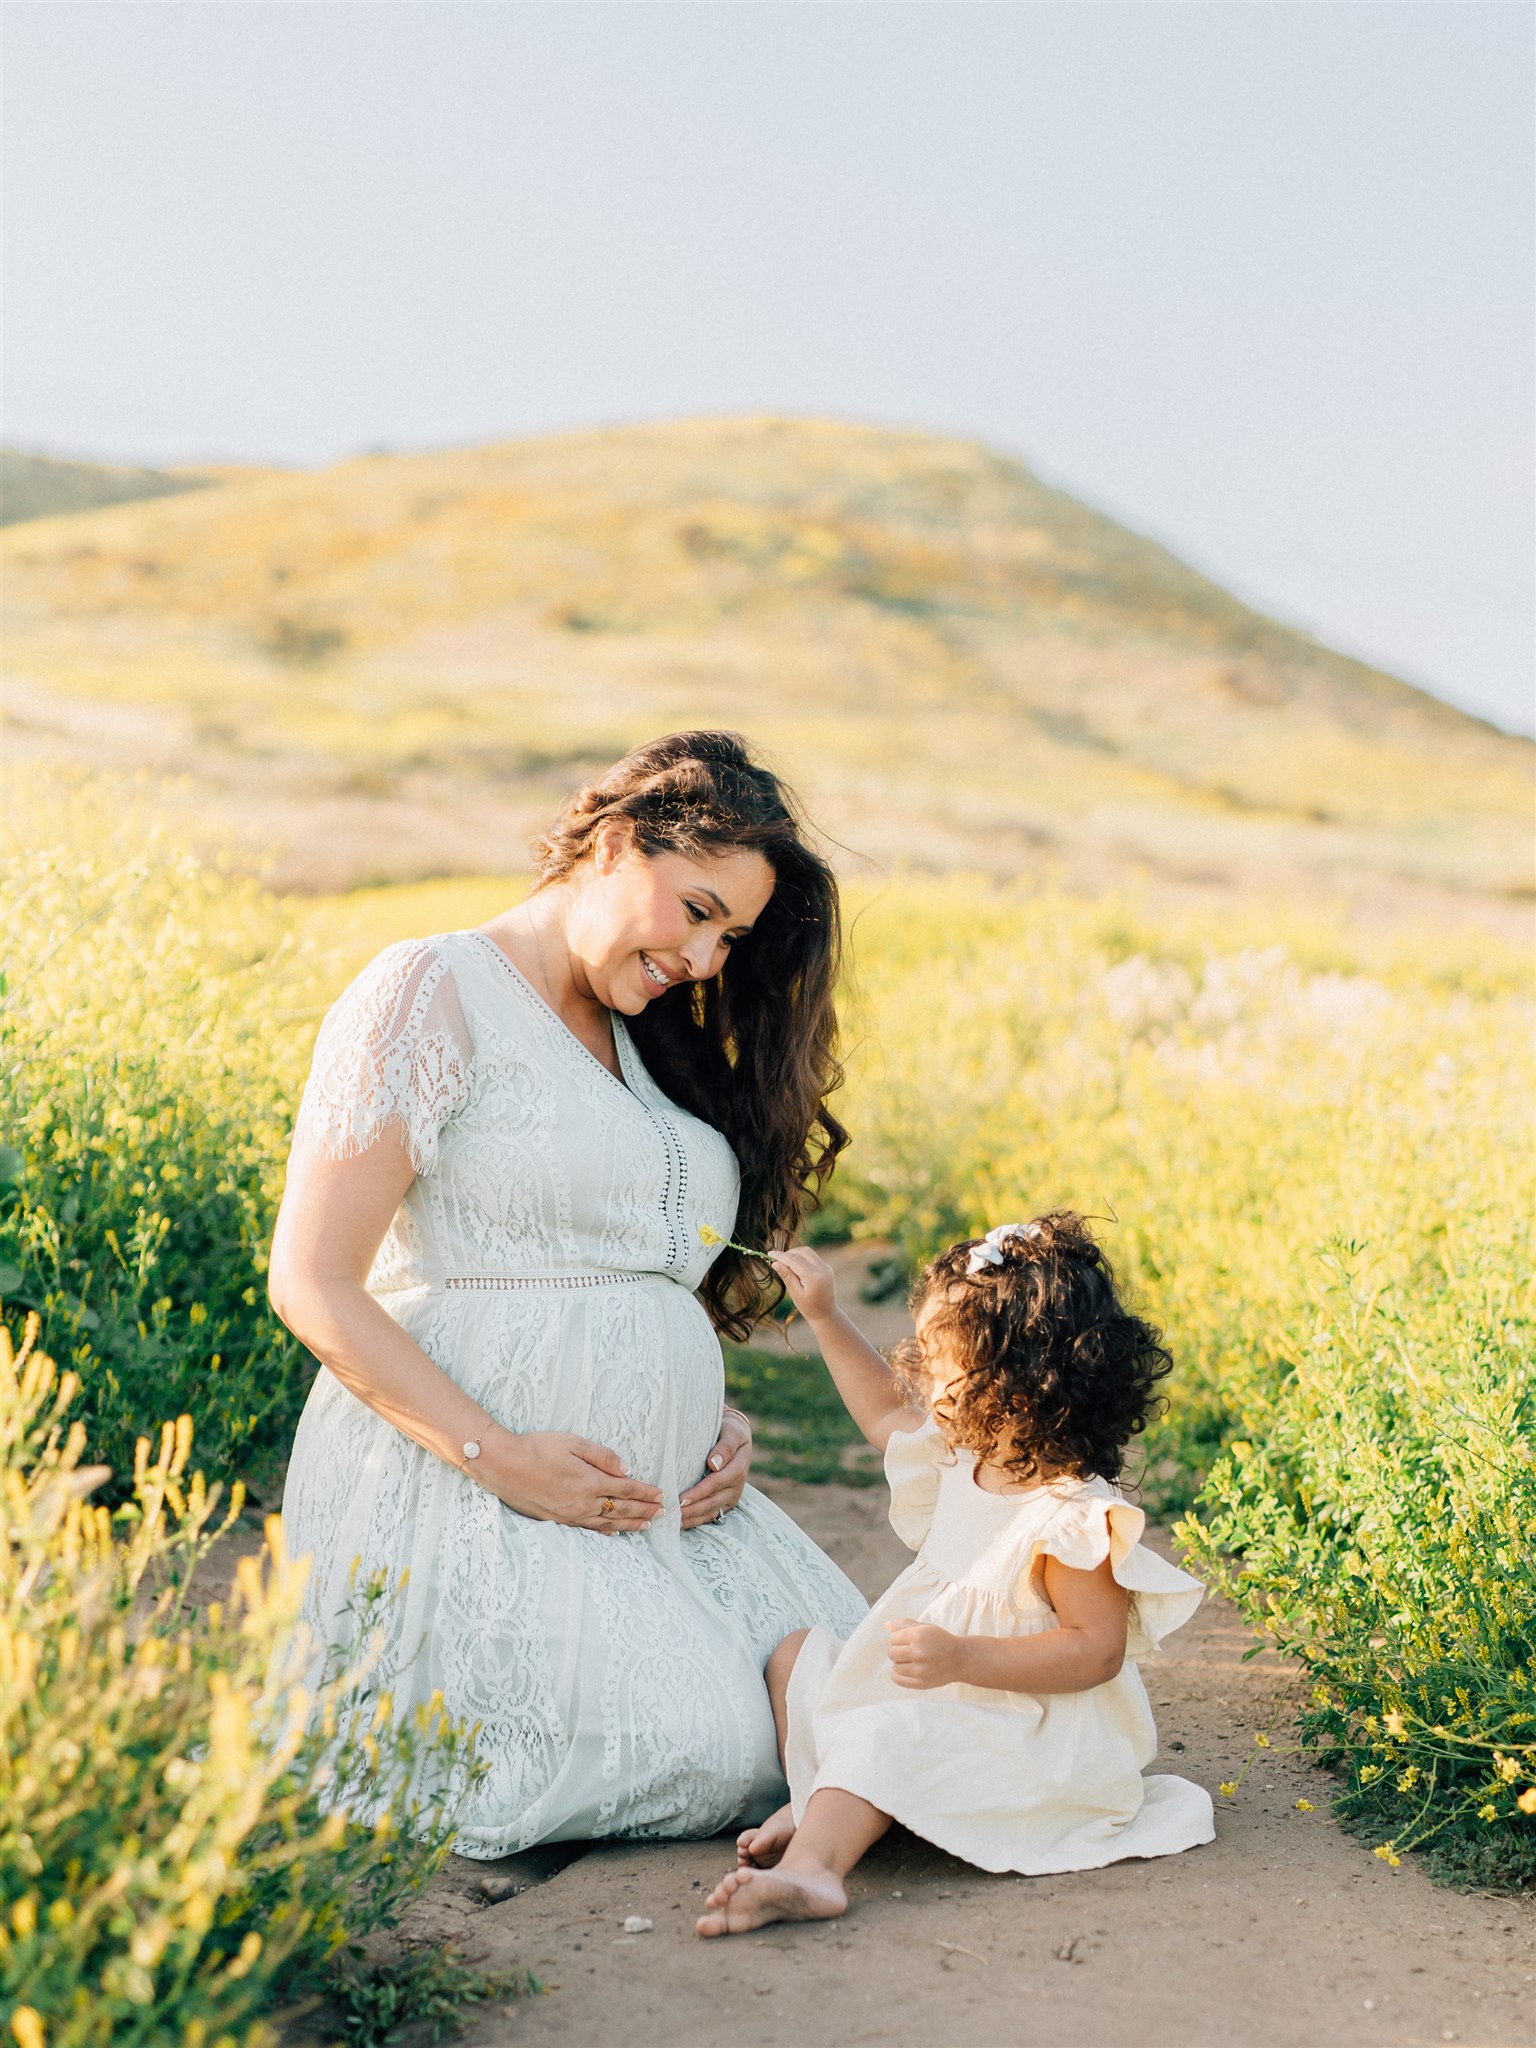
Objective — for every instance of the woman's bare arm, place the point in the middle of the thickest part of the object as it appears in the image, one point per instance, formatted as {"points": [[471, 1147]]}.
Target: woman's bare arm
{"points": [[332, 1220]]}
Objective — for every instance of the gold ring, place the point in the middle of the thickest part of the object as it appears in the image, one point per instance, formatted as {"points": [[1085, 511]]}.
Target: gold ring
{"points": [[607, 1505]]}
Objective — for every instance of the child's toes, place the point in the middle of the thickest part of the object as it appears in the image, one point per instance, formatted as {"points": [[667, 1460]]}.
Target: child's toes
{"points": [[760, 1847], [714, 1920], [748, 1899]]}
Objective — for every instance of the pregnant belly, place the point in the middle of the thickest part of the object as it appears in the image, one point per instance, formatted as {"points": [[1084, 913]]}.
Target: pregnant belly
{"points": [[634, 1365]]}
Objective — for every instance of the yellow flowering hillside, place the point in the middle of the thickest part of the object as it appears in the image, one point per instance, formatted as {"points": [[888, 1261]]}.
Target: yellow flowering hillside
{"points": [[395, 667]]}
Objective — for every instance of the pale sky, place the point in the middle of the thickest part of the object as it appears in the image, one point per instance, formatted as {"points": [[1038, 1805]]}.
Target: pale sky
{"points": [[1255, 278]]}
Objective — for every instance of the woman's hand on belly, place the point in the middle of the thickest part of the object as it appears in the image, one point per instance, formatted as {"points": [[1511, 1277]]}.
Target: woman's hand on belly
{"points": [[725, 1475], [552, 1477]]}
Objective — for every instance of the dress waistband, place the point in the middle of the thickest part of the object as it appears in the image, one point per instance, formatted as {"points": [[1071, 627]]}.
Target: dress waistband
{"points": [[496, 1283]]}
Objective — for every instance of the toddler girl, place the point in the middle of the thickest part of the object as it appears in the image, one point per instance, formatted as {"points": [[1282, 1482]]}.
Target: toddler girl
{"points": [[988, 1702]]}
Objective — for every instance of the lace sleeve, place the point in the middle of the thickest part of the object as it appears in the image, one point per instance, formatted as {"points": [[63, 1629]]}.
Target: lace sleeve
{"points": [[394, 1051]]}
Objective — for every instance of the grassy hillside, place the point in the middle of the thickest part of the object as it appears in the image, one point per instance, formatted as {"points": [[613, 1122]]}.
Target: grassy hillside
{"points": [[37, 486], [394, 667]]}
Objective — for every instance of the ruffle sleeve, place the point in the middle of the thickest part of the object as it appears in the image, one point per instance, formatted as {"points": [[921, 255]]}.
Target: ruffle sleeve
{"points": [[394, 1052], [914, 1464], [1092, 1527]]}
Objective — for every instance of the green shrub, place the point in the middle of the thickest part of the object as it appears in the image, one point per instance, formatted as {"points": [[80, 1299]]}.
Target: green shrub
{"points": [[172, 1851], [429, 1989], [154, 1019], [1381, 1523]]}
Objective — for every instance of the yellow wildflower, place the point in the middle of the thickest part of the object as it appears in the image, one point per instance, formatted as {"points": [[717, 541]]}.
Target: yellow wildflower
{"points": [[1488, 1812], [1262, 1741], [1305, 1806], [27, 2026], [1228, 1787], [250, 1949], [1393, 1723], [711, 1238], [1527, 1800], [1388, 1854]]}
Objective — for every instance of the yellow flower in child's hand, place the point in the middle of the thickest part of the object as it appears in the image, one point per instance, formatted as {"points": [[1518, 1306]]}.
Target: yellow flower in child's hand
{"points": [[711, 1237], [1305, 1806]]}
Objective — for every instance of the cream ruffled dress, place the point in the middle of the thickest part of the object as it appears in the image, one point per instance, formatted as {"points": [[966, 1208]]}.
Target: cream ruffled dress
{"points": [[1006, 1780]]}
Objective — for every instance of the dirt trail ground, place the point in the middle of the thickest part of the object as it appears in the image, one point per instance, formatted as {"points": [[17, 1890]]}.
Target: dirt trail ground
{"points": [[1284, 1933]]}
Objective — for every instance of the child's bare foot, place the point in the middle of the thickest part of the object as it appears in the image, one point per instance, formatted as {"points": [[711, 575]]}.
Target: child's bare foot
{"points": [[759, 1848], [745, 1899]]}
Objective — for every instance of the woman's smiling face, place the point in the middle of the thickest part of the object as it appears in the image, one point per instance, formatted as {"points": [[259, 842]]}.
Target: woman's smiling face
{"points": [[643, 923]]}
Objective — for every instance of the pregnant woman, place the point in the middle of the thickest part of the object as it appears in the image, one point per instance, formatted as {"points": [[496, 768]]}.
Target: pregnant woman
{"points": [[514, 1150]]}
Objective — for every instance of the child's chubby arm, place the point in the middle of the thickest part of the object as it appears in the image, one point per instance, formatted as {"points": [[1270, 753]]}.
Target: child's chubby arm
{"points": [[1087, 1649], [870, 1390]]}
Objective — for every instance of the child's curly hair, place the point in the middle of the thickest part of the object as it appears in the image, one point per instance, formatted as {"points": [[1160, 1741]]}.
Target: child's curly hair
{"points": [[1059, 1375]]}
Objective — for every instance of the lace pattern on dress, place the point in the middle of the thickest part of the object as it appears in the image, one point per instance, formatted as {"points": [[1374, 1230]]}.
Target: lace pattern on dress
{"points": [[394, 1050], [545, 1258]]}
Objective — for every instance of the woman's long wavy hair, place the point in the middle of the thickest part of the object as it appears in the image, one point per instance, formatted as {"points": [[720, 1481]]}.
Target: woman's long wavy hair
{"points": [[754, 1050]]}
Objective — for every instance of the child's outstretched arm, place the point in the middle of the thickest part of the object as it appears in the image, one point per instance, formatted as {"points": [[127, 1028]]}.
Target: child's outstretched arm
{"points": [[870, 1390]]}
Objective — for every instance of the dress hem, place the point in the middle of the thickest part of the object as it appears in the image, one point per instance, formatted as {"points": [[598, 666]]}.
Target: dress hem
{"points": [[924, 1826]]}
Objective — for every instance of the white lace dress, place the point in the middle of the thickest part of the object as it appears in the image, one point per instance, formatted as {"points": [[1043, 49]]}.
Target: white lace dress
{"points": [[546, 1256]]}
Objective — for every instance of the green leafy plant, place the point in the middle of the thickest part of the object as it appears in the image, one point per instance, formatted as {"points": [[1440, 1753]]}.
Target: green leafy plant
{"points": [[1381, 1524], [174, 1840], [152, 1035], [427, 1988]]}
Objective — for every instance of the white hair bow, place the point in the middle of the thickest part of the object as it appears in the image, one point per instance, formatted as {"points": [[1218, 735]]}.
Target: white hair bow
{"points": [[990, 1251]]}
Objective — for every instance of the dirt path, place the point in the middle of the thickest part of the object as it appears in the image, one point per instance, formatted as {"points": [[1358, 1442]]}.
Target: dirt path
{"points": [[1284, 1933]]}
